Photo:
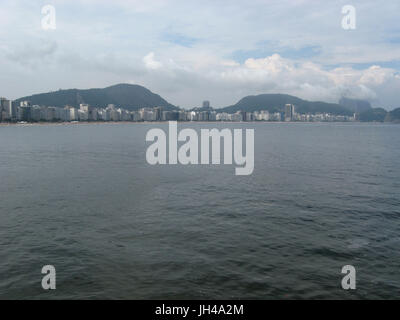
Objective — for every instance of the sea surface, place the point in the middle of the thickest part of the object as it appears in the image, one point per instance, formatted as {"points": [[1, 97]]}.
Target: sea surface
{"points": [[83, 198]]}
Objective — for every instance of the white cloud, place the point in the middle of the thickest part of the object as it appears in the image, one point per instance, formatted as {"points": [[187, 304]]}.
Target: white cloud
{"points": [[150, 62], [272, 74]]}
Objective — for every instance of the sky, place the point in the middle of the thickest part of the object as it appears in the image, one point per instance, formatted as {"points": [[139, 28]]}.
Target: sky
{"points": [[189, 51]]}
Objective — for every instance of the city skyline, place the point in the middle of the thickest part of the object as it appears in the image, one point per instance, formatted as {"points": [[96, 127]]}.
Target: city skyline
{"points": [[124, 102], [11, 112], [190, 52]]}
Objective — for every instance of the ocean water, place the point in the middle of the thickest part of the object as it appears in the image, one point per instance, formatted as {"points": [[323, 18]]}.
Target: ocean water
{"points": [[83, 198]]}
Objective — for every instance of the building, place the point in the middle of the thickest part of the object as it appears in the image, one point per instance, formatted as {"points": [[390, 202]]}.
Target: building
{"points": [[93, 114], [36, 113], [72, 113], [192, 116], [237, 117], [264, 115], [6, 110], [212, 116], [25, 104], [51, 114], [206, 104], [84, 107], [158, 113], [289, 112], [24, 113], [83, 115]]}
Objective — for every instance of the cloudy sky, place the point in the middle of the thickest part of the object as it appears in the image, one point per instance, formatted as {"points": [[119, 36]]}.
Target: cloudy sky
{"points": [[219, 50]]}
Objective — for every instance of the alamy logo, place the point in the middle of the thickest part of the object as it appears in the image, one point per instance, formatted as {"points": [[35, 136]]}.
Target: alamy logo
{"points": [[188, 152], [349, 20], [49, 280], [349, 280], [49, 19]]}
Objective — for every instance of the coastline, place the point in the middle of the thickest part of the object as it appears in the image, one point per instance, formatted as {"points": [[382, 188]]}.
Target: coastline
{"points": [[28, 124]]}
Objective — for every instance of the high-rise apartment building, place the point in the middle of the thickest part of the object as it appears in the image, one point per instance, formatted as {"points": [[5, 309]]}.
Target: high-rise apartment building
{"points": [[206, 104], [289, 112], [6, 109]]}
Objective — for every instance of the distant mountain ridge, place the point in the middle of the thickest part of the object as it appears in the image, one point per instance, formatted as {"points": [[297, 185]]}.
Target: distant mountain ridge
{"points": [[355, 105], [127, 96], [393, 116], [276, 103], [380, 115], [133, 97]]}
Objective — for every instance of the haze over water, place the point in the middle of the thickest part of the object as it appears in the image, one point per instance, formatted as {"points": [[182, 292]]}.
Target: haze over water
{"points": [[83, 198]]}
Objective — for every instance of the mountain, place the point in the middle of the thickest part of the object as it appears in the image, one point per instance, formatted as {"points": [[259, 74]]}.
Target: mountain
{"points": [[375, 114], [127, 96], [355, 105], [276, 103], [393, 116]]}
